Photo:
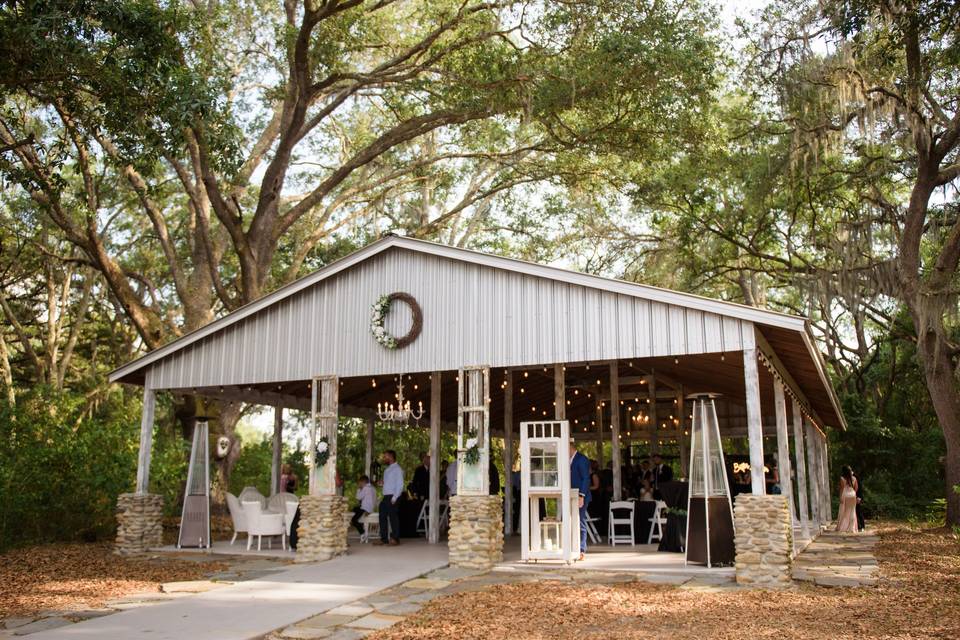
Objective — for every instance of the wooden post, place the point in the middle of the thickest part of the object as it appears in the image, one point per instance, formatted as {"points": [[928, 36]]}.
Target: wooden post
{"points": [[652, 412], [751, 379], [508, 445], [146, 440], [276, 460], [681, 439], [816, 504], [559, 392], [798, 455], [433, 524], [599, 421], [368, 452], [825, 470], [783, 450], [615, 428]]}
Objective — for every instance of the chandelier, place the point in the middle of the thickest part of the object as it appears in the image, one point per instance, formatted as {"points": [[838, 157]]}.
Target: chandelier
{"points": [[401, 412]]}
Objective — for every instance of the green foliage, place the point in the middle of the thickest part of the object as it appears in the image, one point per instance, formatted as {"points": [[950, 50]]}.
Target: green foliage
{"points": [[62, 465]]}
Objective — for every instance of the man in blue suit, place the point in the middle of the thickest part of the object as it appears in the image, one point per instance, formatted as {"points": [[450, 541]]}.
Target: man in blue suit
{"points": [[580, 480]]}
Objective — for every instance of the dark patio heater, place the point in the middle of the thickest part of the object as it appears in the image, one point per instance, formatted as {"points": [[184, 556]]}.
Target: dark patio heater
{"points": [[709, 508]]}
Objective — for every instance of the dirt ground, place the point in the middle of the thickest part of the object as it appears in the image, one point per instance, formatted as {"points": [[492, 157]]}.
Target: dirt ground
{"points": [[918, 597], [70, 577]]}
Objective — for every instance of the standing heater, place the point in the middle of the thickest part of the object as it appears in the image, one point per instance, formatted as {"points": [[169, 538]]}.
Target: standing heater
{"points": [[195, 522], [710, 539]]}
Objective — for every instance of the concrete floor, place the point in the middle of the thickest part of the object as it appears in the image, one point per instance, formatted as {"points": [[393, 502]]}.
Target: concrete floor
{"points": [[247, 610], [642, 558]]}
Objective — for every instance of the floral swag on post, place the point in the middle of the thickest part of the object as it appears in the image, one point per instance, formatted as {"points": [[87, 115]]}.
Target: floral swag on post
{"points": [[471, 454], [322, 453], [378, 316]]}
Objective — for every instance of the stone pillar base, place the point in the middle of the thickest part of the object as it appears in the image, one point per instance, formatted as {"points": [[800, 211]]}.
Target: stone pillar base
{"points": [[764, 540], [476, 531], [322, 533], [139, 523]]}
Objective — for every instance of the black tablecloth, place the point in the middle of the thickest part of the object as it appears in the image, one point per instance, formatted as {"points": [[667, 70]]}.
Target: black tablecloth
{"points": [[409, 512], [674, 533], [674, 493], [642, 512]]}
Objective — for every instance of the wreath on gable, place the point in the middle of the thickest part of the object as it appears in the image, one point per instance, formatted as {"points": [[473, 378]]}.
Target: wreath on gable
{"points": [[378, 316]]}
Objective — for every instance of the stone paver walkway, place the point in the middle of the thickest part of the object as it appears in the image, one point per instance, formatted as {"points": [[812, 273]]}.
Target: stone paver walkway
{"points": [[251, 609], [839, 560]]}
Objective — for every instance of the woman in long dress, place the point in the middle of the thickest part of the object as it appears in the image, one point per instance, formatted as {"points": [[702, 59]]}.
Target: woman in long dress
{"points": [[847, 518]]}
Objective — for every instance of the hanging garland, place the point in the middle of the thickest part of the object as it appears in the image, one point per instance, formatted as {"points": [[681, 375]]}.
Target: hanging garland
{"points": [[322, 453], [378, 316]]}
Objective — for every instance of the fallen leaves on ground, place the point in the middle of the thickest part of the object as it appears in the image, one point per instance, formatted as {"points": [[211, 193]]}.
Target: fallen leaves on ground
{"points": [[918, 597], [69, 577]]}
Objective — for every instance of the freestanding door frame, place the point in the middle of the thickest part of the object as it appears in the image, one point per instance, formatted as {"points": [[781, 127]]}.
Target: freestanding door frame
{"points": [[545, 432]]}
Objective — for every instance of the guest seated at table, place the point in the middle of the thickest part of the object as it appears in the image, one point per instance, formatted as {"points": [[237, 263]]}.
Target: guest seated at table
{"points": [[646, 491], [366, 495]]}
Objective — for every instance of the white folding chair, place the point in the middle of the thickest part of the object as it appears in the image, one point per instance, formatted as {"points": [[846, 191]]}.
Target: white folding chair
{"points": [[444, 514], [614, 536], [371, 526], [657, 522], [423, 518], [592, 532]]}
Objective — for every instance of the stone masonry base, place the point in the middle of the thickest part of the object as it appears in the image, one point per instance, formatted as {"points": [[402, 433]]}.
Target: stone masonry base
{"points": [[764, 541], [322, 533], [139, 523], [476, 531]]}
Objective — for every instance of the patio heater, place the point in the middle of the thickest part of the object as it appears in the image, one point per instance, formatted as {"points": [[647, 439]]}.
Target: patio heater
{"points": [[548, 528], [195, 521], [710, 539]]}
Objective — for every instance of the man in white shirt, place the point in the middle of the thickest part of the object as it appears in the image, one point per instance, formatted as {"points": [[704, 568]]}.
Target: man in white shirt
{"points": [[366, 495], [452, 478], [392, 490]]}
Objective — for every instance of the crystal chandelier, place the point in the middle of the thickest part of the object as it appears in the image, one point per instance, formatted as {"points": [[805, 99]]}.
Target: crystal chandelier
{"points": [[401, 412]]}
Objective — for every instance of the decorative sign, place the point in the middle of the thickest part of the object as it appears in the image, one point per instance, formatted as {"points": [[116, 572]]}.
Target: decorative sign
{"points": [[380, 310]]}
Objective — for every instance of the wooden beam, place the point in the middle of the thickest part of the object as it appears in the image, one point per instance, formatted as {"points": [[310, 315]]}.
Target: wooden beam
{"points": [[559, 392], [146, 440], [276, 460], [508, 445], [751, 380], [798, 454], [783, 451], [816, 504], [615, 428], [433, 524], [370, 423], [652, 412]]}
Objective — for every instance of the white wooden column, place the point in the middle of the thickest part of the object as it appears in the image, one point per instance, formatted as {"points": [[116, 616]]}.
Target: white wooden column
{"points": [[615, 428], [276, 460], [816, 503], [368, 450], [508, 446], [146, 440], [751, 379], [783, 450], [433, 524], [798, 454], [825, 471]]}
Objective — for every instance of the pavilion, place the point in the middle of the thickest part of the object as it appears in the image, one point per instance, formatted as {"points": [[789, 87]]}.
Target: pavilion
{"points": [[487, 342]]}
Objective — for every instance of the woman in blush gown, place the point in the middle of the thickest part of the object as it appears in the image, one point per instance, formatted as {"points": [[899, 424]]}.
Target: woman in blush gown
{"points": [[847, 518]]}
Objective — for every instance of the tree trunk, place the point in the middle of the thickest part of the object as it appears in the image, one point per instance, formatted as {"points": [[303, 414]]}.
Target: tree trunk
{"points": [[940, 378]]}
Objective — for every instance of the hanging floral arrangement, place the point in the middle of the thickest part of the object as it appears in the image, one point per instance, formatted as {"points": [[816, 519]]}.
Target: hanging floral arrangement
{"points": [[471, 454], [378, 316], [322, 453]]}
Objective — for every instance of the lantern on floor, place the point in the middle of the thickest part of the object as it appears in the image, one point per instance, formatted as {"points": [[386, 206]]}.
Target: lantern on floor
{"points": [[548, 528], [710, 538]]}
